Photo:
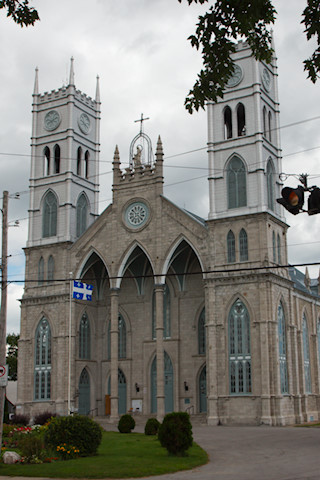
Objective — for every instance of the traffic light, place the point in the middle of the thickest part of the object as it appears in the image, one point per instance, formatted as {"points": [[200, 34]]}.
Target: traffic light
{"points": [[314, 201], [292, 199]]}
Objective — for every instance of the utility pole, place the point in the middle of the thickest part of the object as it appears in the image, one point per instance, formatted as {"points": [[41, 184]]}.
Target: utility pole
{"points": [[3, 311]]}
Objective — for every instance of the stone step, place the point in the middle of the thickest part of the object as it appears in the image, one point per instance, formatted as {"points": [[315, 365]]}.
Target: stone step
{"points": [[141, 420]]}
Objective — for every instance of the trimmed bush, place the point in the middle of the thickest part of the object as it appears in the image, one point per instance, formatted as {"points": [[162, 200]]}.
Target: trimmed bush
{"points": [[79, 431], [126, 424], [20, 419], [31, 447], [151, 427], [175, 433], [43, 417]]}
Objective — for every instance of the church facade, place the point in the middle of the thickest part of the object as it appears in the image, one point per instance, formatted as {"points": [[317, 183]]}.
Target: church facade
{"points": [[187, 314]]}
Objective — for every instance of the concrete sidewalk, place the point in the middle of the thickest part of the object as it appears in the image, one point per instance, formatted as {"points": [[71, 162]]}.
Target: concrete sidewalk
{"points": [[252, 453]]}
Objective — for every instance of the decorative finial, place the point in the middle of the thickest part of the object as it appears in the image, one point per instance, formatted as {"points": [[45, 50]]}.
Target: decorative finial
{"points": [[98, 90], [159, 151], [36, 83], [307, 280], [116, 156], [71, 77]]}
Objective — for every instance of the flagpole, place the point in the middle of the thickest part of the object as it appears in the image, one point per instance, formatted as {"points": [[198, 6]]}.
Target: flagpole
{"points": [[69, 363]]}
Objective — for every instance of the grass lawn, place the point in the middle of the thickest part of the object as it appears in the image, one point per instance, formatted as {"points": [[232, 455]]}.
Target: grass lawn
{"points": [[120, 455]]}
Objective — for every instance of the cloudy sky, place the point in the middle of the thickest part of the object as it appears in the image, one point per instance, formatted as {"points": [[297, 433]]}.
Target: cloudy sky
{"points": [[139, 49]]}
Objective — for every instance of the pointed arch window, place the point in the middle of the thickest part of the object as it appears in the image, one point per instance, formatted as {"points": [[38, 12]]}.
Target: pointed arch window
{"points": [[57, 158], [47, 161], [306, 355], [279, 248], [241, 120], [49, 215], [269, 126], [81, 210], [227, 116], [264, 115], [42, 364], [166, 314], [282, 350], [243, 245], [84, 337], [270, 184], [236, 183], [239, 349], [231, 247], [41, 271], [50, 268], [79, 159], [202, 333], [86, 163], [274, 247], [122, 338]]}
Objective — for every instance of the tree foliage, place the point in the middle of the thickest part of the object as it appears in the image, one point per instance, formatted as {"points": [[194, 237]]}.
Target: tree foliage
{"points": [[12, 355], [227, 21], [20, 12]]}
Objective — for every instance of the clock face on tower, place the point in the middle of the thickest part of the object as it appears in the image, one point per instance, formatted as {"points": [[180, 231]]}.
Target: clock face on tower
{"points": [[52, 120], [236, 77], [136, 215], [84, 123]]}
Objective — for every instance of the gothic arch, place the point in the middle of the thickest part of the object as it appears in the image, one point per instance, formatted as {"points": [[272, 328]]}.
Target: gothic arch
{"points": [[94, 260], [170, 257], [126, 258], [227, 122]]}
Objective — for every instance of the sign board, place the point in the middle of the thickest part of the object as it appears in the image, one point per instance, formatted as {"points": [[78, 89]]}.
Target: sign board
{"points": [[4, 375]]}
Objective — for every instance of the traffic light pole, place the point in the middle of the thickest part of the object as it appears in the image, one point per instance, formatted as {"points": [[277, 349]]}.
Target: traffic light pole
{"points": [[3, 311]]}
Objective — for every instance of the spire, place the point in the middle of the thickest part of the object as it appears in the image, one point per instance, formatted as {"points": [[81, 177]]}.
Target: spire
{"points": [[116, 158], [159, 151], [71, 78], [36, 83], [307, 281], [98, 91]]}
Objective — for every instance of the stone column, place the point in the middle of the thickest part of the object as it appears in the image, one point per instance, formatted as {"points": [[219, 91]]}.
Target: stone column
{"points": [[114, 334], [211, 353], [159, 292]]}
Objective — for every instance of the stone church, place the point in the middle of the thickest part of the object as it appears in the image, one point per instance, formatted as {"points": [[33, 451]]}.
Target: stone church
{"points": [[187, 313]]}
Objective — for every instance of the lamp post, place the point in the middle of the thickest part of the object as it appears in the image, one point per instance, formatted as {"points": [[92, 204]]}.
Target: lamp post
{"points": [[3, 311]]}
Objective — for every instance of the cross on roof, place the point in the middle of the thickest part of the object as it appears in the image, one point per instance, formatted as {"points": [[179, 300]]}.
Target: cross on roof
{"points": [[141, 120]]}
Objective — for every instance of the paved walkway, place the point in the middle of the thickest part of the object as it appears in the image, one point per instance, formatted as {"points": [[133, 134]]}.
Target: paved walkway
{"points": [[252, 453]]}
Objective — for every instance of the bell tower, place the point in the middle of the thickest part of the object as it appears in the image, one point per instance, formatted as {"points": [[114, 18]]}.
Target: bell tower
{"points": [[64, 163], [243, 141]]}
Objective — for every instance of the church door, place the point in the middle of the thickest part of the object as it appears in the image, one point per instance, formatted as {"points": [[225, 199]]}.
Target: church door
{"points": [[84, 393], [122, 393], [168, 384], [203, 390]]}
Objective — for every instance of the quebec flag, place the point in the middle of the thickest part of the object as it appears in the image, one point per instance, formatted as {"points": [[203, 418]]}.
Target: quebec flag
{"points": [[82, 291]]}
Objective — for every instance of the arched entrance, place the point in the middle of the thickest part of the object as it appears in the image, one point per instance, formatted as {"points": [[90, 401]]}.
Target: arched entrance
{"points": [[203, 390], [168, 384], [84, 393], [122, 392]]}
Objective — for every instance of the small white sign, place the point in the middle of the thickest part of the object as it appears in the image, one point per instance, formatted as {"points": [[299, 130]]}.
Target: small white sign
{"points": [[4, 375]]}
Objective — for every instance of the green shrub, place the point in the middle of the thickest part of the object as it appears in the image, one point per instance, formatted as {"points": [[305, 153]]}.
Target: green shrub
{"points": [[31, 446], [81, 432], [126, 424], [43, 417], [151, 427], [175, 433]]}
